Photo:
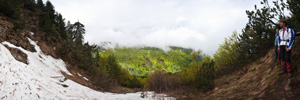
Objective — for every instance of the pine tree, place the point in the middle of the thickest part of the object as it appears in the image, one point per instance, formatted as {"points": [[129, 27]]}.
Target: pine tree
{"points": [[76, 31], [10, 8], [40, 3], [29, 4], [49, 9], [60, 23], [294, 7]]}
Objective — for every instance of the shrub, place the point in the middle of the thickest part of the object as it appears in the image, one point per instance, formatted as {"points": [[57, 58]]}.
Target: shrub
{"points": [[156, 81], [172, 82], [159, 81], [19, 25], [102, 80]]}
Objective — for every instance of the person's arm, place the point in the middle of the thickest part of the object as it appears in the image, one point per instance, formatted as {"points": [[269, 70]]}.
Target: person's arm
{"points": [[275, 40], [292, 38], [278, 41]]}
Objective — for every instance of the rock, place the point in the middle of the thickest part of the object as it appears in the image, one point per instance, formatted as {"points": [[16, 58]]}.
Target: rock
{"points": [[287, 86], [23, 34], [18, 54], [14, 42]]}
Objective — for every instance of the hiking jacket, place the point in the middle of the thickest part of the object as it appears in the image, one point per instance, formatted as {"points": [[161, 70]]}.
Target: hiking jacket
{"points": [[286, 37], [276, 40]]}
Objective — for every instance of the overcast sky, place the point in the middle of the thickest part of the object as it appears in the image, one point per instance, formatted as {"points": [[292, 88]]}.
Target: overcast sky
{"points": [[197, 24]]}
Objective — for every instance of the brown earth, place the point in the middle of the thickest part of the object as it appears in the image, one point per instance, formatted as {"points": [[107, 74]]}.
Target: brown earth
{"points": [[47, 49]]}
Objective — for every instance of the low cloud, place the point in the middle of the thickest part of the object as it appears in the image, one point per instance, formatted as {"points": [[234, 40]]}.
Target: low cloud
{"points": [[197, 24]]}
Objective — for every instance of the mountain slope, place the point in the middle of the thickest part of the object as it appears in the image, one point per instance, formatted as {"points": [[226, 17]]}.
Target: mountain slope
{"points": [[42, 78], [259, 80]]}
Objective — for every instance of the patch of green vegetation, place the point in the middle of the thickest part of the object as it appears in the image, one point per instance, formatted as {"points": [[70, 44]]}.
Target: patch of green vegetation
{"points": [[64, 85], [19, 25], [65, 79], [143, 61], [254, 98]]}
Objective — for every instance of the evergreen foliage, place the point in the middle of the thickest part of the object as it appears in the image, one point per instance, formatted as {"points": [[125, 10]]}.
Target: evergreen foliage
{"points": [[10, 8]]}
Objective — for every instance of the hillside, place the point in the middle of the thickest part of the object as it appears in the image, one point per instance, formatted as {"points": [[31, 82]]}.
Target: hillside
{"points": [[43, 56], [141, 61], [39, 60], [259, 80]]}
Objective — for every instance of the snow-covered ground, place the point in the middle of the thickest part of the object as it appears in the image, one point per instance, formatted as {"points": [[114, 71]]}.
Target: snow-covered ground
{"points": [[42, 79]]}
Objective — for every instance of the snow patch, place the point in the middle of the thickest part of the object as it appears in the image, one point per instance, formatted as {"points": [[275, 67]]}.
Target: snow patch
{"points": [[31, 33], [42, 79], [83, 77]]}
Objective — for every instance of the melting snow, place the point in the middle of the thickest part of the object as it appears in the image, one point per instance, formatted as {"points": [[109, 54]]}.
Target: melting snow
{"points": [[42, 79], [31, 33], [83, 77]]}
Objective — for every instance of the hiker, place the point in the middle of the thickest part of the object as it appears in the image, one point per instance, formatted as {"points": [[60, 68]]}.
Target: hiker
{"points": [[285, 42], [277, 56]]}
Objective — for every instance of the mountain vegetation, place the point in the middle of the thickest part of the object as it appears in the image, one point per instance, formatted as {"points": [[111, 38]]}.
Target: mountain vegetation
{"points": [[144, 60], [151, 67]]}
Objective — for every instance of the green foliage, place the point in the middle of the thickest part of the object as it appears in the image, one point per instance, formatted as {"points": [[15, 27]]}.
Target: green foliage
{"points": [[83, 54], [185, 50], [293, 6], [227, 54], [19, 25], [40, 3], [49, 9], [10, 8], [29, 4], [46, 23], [188, 76], [75, 32], [205, 74], [201, 72], [142, 61], [115, 71], [64, 85], [258, 35], [60, 23]]}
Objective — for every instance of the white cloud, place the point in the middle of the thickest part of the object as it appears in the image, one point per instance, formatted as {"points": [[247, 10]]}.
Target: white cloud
{"points": [[199, 24]]}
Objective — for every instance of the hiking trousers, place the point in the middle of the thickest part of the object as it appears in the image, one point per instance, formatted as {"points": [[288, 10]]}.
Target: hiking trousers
{"points": [[277, 55], [285, 59]]}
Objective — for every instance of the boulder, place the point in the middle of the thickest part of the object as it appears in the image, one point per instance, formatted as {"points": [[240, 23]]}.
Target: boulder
{"points": [[18, 54]]}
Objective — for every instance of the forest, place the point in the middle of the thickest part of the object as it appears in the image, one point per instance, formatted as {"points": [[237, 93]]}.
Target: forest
{"points": [[144, 60]]}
